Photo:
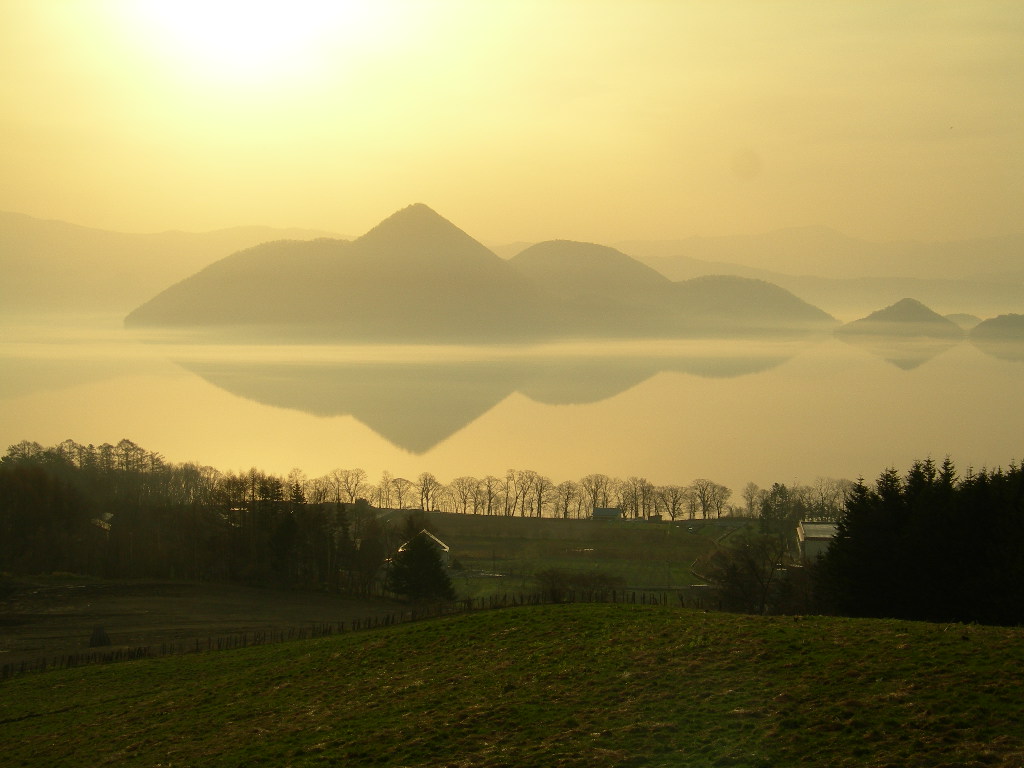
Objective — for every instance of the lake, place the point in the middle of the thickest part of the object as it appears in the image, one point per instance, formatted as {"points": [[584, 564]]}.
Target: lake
{"points": [[733, 411]]}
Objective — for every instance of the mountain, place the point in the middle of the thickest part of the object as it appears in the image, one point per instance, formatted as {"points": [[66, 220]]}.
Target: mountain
{"points": [[597, 290], [907, 318], [964, 320], [823, 252], [602, 289], [726, 303], [1004, 327], [416, 277], [847, 275], [54, 266]]}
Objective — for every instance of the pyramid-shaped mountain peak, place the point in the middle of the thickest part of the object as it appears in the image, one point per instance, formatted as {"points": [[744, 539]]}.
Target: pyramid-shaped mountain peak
{"points": [[418, 227], [907, 310], [907, 317]]}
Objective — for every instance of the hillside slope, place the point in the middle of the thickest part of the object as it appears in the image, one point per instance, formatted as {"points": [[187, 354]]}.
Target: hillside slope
{"points": [[573, 685]]}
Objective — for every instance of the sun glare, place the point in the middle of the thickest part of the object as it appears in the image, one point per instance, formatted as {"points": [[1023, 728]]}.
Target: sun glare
{"points": [[259, 41]]}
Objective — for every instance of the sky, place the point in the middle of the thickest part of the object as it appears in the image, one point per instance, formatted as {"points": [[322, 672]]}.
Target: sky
{"points": [[518, 120]]}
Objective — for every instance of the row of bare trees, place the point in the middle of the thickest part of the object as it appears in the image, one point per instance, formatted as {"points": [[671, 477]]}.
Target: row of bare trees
{"points": [[526, 493], [522, 493]]}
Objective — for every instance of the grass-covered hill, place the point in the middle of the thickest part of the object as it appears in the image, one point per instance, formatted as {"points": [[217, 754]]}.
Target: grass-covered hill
{"points": [[569, 685]]}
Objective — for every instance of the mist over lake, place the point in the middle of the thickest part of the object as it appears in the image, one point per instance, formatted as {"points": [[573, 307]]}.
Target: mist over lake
{"points": [[735, 411]]}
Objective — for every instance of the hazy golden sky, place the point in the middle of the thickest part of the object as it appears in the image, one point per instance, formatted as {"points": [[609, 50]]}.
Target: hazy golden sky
{"points": [[518, 120]]}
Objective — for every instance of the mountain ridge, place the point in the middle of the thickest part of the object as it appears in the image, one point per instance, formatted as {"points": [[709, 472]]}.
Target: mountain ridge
{"points": [[418, 277]]}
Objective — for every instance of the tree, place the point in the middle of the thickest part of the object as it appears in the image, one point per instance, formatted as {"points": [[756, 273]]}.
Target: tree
{"points": [[752, 496], [418, 573], [543, 491], [596, 489], [703, 490], [428, 487], [383, 491], [402, 491], [464, 491], [491, 487], [567, 498], [671, 499], [747, 572], [781, 509], [930, 547]]}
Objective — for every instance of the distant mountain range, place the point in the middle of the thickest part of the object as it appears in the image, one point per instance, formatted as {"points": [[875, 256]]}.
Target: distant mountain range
{"points": [[52, 266], [846, 275], [56, 267], [416, 277]]}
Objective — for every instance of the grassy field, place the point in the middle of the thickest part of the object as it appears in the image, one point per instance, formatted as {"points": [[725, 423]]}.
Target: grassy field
{"points": [[501, 554], [561, 685], [49, 616], [53, 615]]}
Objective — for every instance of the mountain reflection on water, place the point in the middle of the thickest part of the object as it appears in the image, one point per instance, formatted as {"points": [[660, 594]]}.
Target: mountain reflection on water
{"points": [[419, 402], [771, 409]]}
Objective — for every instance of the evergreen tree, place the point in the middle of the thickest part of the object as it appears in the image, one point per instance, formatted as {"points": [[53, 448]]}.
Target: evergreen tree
{"points": [[418, 573], [930, 547]]}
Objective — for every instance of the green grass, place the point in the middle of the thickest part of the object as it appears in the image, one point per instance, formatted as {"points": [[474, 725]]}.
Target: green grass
{"points": [[568, 685], [643, 555]]}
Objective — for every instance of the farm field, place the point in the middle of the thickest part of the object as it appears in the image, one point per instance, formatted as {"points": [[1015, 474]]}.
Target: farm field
{"points": [[47, 616], [53, 615], [554, 685], [502, 554]]}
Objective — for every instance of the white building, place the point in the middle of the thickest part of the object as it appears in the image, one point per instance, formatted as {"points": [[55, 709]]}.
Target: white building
{"points": [[814, 539]]}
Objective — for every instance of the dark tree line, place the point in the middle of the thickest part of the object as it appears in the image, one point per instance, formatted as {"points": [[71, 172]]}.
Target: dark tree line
{"points": [[930, 546], [121, 511]]}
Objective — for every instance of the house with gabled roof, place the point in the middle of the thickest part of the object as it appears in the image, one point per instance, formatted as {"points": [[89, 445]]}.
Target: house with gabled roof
{"points": [[443, 549]]}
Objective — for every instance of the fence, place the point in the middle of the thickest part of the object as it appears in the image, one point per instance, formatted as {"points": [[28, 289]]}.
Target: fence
{"points": [[271, 636]]}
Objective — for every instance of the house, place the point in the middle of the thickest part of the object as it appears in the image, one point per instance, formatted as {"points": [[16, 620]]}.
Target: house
{"points": [[443, 549], [814, 538], [607, 513]]}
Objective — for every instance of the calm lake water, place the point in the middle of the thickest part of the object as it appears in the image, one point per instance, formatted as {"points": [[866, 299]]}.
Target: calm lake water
{"points": [[732, 411]]}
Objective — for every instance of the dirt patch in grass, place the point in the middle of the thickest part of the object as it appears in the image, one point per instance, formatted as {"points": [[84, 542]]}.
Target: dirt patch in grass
{"points": [[56, 615]]}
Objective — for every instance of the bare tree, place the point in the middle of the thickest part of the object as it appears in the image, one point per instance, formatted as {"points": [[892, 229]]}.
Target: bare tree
{"points": [[463, 492], [720, 499], [428, 486], [751, 498], [402, 491], [384, 491], [671, 499], [354, 484], [637, 497], [319, 490], [543, 490], [828, 497], [491, 489], [703, 493], [518, 489], [567, 496], [596, 490]]}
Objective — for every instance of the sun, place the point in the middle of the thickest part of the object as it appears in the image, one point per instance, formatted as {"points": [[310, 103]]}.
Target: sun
{"points": [[243, 42]]}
